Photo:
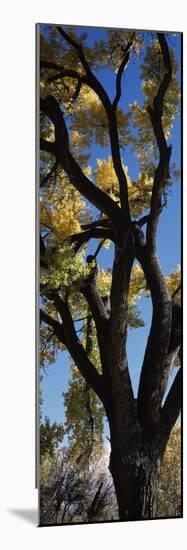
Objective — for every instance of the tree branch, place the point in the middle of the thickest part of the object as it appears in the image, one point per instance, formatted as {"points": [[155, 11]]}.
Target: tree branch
{"points": [[103, 222], [47, 146], [76, 349], [158, 100], [98, 311], [142, 221], [64, 73], [173, 348], [171, 408], [151, 378], [50, 173], [116, 157], [162, 170], [118, 362], [57, 327], [176, 291], [93, 233], [94, 83], [50, 65], [96, 305], [123, 65], [96, 196]]}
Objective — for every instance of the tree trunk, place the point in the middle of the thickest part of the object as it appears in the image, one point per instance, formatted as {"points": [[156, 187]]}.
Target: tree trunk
{"points": [[136, 477]]}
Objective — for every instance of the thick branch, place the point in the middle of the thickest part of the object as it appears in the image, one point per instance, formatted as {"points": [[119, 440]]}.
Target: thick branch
{"points": [[64, 157], [122, 267], [173, 348], [158, 101], [171, 408], [95, 195], [116, 157], [76, 349], [50, 65], [99, 313], [150, 386], [162, 170], [96, 305], [93, 233], [56, 326], [142, 221], [48, 146], [64, 73], [153, 380], [122, 392], [103, 222], [163, 341]]}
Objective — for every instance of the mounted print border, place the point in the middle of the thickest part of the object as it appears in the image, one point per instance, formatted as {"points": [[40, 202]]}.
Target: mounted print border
{"points": [[109, 371]]}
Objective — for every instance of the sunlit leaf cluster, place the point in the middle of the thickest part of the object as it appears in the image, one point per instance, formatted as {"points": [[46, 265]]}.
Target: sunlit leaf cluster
{"points": [[139, 190], [152, 71]]}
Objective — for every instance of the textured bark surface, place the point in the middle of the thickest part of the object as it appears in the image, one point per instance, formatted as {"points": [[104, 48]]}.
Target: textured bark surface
{"points": [[136, 480], [135, 467]]}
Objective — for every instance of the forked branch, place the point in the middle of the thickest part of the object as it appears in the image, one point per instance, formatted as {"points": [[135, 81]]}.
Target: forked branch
{"points": [[110, 109], [64, 157]]}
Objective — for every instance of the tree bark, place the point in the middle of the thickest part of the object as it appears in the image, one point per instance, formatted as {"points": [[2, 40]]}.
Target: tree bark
{"points": [[136, 475]]}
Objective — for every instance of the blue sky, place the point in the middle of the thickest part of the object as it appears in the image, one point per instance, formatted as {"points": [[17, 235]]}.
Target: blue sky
{"points": [[55, 379]]}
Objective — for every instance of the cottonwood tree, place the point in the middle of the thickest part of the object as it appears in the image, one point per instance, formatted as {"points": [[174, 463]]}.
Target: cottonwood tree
{"points": [[86, 310]]}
